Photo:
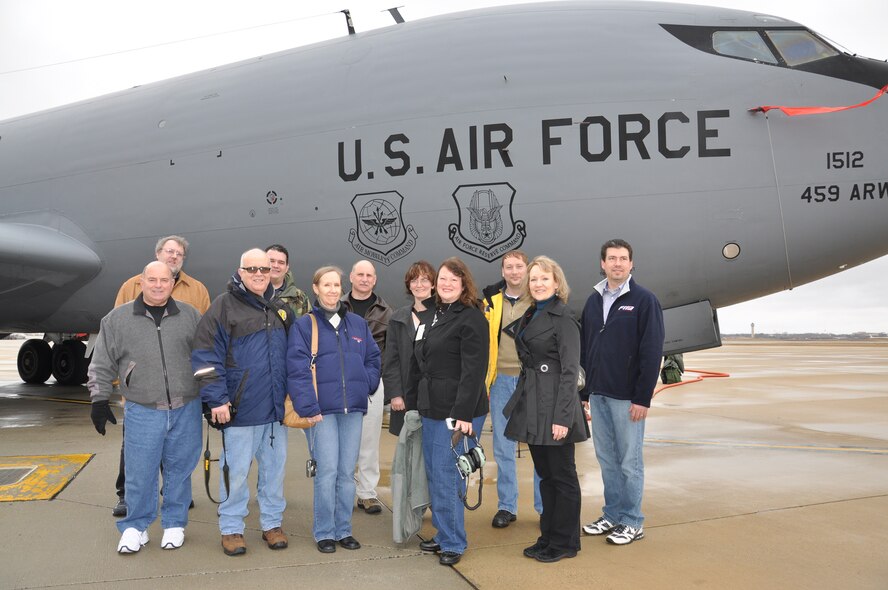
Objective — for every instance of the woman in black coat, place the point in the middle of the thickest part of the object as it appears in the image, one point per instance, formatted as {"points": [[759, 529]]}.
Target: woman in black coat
{"points": [[545, 411], [401, 336], [447, 381]]}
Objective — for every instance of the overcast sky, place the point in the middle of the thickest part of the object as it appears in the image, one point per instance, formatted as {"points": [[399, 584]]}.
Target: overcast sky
{"points": [[53, 52]]}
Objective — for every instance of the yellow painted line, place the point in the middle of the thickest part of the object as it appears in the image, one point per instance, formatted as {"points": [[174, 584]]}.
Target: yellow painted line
{"points": [[49, 476], [770, 446]]}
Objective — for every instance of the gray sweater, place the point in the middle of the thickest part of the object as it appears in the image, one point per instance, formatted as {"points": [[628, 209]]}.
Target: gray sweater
{"points": [[152, 363]]}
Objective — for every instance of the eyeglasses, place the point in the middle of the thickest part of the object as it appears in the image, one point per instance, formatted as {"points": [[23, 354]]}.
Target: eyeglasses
{"points": [[421, 281], [171, 252], [254, 269]]}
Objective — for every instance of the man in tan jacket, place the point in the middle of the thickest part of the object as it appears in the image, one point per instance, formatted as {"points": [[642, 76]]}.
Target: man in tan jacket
{"points": [[171, 250]]}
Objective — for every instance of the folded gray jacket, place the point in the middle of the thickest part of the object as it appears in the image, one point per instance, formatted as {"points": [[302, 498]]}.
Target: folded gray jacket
{"points": [[410, 488]]}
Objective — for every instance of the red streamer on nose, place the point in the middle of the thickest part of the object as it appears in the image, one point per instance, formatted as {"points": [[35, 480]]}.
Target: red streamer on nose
{"points": [[795, 111]]}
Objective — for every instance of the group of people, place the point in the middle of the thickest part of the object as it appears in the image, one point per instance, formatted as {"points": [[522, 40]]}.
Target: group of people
{"points": [[449, 357]]}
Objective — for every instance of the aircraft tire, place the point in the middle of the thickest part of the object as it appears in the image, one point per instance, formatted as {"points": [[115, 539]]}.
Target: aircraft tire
{"points": [[68, 364], [35, 361]]}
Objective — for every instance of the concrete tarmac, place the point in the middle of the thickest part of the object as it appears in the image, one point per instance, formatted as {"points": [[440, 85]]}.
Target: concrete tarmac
{"points": [[775, 477]]}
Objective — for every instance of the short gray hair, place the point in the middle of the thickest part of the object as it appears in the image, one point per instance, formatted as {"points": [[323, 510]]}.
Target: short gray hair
{"points": [[178, 239]]}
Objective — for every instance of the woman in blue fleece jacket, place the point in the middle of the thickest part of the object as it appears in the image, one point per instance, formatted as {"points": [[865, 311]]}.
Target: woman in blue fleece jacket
{"points": [[347, 366]]}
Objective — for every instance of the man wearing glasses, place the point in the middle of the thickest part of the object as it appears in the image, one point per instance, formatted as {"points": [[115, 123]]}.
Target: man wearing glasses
{"points": [[239, 357], [171, 250]]}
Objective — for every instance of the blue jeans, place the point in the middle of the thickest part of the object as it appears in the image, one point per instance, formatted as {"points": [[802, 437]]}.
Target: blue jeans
{"points": [[268, 444], [334, 443], [153, 436], [618, 446], [448, 512], [504, 449]]}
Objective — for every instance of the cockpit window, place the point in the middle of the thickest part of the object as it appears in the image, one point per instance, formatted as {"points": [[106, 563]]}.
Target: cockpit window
{"points": [[742, 44], [799, 47]]}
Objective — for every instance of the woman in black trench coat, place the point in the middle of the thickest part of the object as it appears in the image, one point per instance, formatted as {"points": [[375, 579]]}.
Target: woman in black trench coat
{"points": [[545, 411], [401, 336]]}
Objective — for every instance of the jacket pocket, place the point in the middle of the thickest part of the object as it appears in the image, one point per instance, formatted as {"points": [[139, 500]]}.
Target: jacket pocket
{"points": [[128, 373]]}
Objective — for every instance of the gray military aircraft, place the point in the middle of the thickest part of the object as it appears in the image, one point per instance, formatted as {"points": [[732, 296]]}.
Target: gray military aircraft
{"points": [[551, 127]]}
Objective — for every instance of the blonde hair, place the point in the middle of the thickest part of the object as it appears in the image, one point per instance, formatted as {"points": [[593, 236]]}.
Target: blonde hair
{"points": [[546, 264]]}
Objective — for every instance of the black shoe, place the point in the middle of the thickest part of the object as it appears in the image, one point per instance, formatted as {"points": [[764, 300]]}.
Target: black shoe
{"points": [[120, 509], [327, 546], [430, 546], [449, 558], [502, 518], [349, 542], [534, 549], [551, 555]]}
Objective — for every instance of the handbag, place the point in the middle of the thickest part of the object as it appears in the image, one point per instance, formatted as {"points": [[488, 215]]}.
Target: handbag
{"points": [[291, 416]]}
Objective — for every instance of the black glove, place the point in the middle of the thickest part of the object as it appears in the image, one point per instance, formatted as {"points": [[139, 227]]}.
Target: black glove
{"points": [[101, 414]]}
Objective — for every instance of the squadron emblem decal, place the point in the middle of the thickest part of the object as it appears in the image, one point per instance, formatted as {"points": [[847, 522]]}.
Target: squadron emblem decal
{"points": [[380, 234], [486, 229]]}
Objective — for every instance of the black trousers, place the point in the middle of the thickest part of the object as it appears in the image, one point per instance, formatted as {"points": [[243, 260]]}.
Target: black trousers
{"points": [[120, 484], [561, 495]]}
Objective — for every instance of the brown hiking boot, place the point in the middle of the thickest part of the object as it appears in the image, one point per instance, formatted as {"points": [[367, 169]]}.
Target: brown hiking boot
{"points": [[234, 544], [370, 505], [275, 538]]}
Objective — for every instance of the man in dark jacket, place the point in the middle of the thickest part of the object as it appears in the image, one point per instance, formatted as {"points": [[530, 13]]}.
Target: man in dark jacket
{"points": [[376, 312], [144, 345], [621, 348], [239, 356]]}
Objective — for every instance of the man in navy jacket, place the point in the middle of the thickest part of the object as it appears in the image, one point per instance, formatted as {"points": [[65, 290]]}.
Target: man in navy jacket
{"points": [[239, 356], [621, 348]]}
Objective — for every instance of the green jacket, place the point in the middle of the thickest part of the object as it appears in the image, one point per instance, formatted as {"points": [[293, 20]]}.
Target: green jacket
{"points": [[294, 298]]}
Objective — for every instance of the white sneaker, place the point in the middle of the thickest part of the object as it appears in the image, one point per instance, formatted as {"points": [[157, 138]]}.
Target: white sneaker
{"points": [[599, 527], [625, 534], [132, 540], [172, 538]]}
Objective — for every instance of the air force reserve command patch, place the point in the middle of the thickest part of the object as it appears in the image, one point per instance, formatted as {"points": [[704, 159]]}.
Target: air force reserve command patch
{"points": [[486, 228]]}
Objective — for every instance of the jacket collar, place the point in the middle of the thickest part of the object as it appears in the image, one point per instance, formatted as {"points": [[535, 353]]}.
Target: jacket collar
{"points": [[237, 288], [140, 309], [627, 286], [491, 290], [450, 311], [542, 322]]}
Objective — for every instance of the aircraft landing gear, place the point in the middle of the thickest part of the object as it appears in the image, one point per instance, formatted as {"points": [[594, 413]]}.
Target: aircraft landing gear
{"points": [[68, 362], [65, 361], [35, 361]]}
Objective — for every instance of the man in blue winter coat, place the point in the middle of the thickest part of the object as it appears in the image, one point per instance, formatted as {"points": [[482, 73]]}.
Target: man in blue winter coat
{"points": [[239, 356], [621, 348]]}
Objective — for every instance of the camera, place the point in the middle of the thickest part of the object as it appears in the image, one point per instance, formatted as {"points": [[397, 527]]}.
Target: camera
{"points": [[208, 416], [311, 468]]}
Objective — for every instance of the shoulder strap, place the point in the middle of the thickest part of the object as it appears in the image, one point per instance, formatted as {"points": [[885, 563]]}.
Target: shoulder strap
{"points": [[314, 352]]}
